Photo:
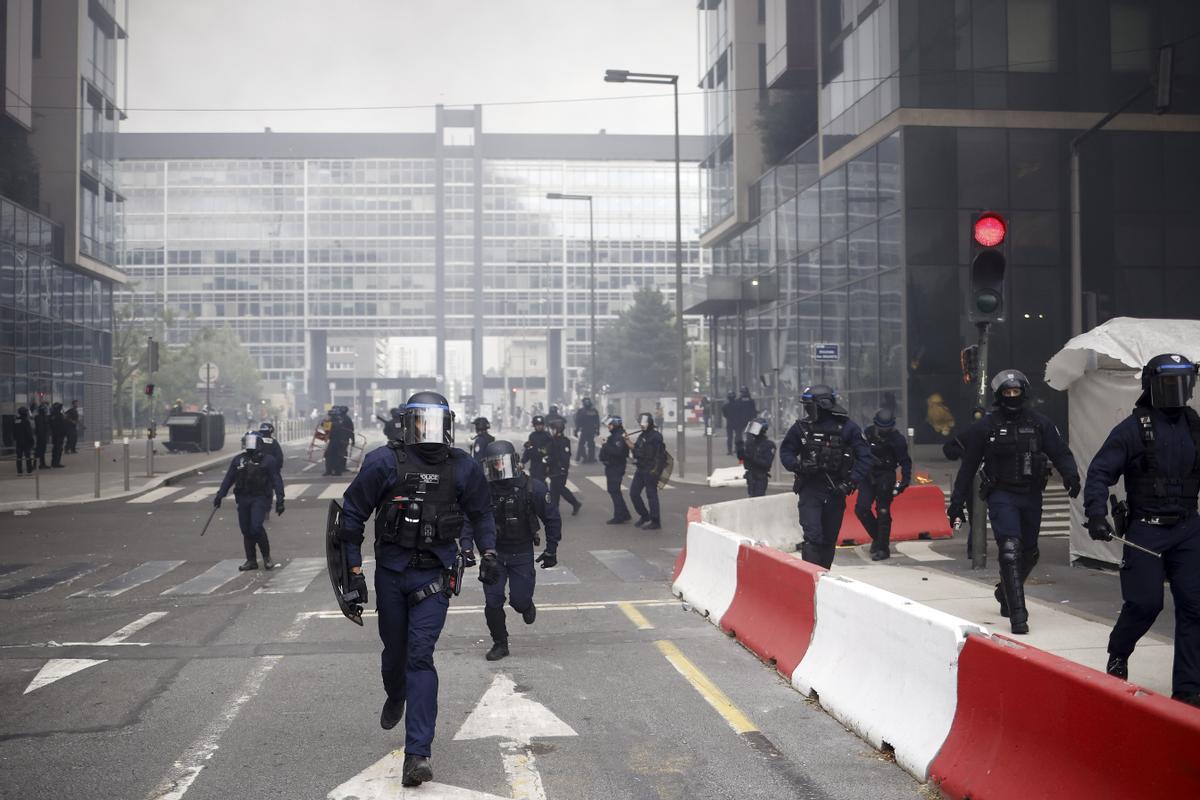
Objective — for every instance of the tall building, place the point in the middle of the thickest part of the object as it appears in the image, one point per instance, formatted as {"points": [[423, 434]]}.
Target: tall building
{"points": [[295, 239], [882, 127], [58, 206]]}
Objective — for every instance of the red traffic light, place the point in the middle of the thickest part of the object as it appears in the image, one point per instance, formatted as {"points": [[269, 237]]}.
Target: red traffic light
{"points": [[149, 390], [990, 230]]}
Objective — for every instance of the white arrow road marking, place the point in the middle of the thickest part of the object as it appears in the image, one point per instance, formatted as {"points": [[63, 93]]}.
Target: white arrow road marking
{"points": [[58, 668], [381, 781], [516, 720]]}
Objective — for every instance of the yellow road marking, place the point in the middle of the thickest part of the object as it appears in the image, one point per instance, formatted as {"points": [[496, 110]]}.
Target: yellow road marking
{"points": [[635, 616], [707, 689]]}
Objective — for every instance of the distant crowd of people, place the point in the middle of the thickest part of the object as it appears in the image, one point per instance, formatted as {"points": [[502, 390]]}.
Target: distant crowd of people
{"points": [[50, 427]]}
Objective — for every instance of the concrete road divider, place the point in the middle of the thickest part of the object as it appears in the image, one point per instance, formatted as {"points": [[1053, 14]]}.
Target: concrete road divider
{"points": [[708, 577], [773, 612], [1032, 724], [886, 667]]}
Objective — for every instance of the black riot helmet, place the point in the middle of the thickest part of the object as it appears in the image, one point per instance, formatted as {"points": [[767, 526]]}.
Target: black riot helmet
{"points": [[587, 402], [757, 427], [816, 399], [558, 425], [553, 410], [884, 419], [481, 424], [744, 393], [1168, 380], [22, 412], [250, 442], [429, 424], [397, 413], [646, 420], [266, 429], [1002, 389], [615, 423], [730, 396], [538, 422], [500, 462]]}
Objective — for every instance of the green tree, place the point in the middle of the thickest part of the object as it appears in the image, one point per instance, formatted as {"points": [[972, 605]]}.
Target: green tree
{"points": [[133, 325], [239, 381], [640, 351]]}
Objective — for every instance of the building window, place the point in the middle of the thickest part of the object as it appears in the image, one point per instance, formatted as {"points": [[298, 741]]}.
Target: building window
{"points": [[1032, 36]]}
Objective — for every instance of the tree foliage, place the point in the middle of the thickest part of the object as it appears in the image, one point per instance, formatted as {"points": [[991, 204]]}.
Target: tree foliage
{"points": [[640, 351], [133, 325], [239, 381]]}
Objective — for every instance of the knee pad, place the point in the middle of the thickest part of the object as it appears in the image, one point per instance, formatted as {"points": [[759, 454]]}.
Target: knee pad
{"points": [[1010, 550], [884, 512]]}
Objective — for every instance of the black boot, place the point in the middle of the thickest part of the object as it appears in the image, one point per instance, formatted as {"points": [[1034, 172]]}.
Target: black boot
{"points": [[1010, 582], [417, 770], [499, 631], [529, 614], [1118, 667], [264, 545], [999, 595], [499, 650], [652, 525], [392, 711], [249, 565]]}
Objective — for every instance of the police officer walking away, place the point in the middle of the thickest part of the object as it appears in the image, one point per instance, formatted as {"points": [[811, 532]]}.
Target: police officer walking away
{"points": [[729, 411], [23, 439], [254, 476], [757, 453], [829, 457], [537, 449], [888, 451], [746, 410], [613, 454], [518, 504], [1016, 447], [266, 434], [587, 428], [341, 434], [41, 434], [558, 464], [649, 458], [74, 426], [1157, 450], [421, 491], [58, 435], [482, 438]]}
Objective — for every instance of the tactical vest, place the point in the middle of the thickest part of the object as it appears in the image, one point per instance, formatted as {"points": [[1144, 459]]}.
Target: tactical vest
{"points": [[516, 518], [421, 509], [760, 453], [882, 451], [1013, 458], [252, 478], [825, 452], [1145, 480]]}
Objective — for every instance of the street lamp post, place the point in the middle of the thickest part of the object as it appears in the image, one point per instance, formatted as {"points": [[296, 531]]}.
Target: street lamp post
{"points": [[591, 278], [625, 76]]}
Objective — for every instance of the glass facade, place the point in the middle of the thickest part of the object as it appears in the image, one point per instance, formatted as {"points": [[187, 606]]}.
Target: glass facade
{"points": [[55, 326], [716, 53], [98, 196]]}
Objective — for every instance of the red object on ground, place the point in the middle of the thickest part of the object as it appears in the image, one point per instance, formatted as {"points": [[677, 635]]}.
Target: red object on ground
{"points": [[773, 612], [1032, 724], [919, 513]]}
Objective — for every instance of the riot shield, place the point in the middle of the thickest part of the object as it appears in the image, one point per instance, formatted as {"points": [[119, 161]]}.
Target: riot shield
{"points": [[348, 599]]}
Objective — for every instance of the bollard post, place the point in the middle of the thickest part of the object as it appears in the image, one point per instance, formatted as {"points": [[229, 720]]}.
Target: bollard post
{"points": [[97, 469], [37, 483], [149, 457], [708, 434], [125, 448]]}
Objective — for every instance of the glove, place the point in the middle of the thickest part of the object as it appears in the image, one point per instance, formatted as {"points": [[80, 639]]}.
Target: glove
{"points": [[468, 558], [1099, 529], [900, 487], [547, 559], [1072, 486], [847, 488], [279, 509], [489, 569], [956, 514], [216, 502], [358, 583]]}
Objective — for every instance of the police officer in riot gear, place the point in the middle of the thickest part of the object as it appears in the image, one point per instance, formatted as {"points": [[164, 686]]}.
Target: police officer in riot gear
{"points": [[519, 504], [392, 425], [889, 450], [745, 411], [587, 428], [266, 435], [23, 439], [757, 454], [829, 457], [1016, 447], [482, 438], [558, 465], [422, 491], [552, 416], [537, 449], [649, 458], [254, 476], [1157, 451], [58, 435], [613, 454], [729, 413]]}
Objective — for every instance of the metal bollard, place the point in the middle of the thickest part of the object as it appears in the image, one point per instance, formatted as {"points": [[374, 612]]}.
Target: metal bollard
{"points": [[37, 483], [125, 454], [97, 469], [708, 434], [149, 458]]}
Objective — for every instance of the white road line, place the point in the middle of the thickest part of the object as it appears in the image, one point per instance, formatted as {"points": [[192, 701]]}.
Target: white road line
{"points": [[920, 551], [334, 491], [310, 466], [133, 627], [294, 578], [58, 668], [210, 580], [196, 496], [155, 494], [571, 487], [293, 490]]}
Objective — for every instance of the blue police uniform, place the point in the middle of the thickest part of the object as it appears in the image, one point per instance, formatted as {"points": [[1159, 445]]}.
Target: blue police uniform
{"points": [[889, 450], [537, 451], [517, 509], [1161, 492], [648, 453], [558, 465], [757, 454], [479, 444], [253, 480], [410, 633], [829, 457], [614, 454]]}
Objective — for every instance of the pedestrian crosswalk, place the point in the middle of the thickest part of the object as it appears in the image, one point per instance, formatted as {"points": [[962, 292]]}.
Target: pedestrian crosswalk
{"points": [[291, 491], [602, 482]]}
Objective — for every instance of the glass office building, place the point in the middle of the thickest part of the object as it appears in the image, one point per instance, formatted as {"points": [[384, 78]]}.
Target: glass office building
{"points": [[925, 115], [294, 239]]}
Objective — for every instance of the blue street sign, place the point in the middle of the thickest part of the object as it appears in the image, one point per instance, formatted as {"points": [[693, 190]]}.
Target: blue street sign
{"points": [[827, 352]]}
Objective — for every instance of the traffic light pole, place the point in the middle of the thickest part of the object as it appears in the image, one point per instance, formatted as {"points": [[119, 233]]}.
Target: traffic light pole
{"points": [[978, 505]]}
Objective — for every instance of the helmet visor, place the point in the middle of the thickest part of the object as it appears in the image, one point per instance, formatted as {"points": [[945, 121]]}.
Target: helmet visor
{"points": [[501, 468], [1172, 387], [428, 424], [755, 427], [250, 442]]}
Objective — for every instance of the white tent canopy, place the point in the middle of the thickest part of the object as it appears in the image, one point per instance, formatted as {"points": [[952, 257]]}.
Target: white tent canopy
{"points": [[1101, 372]]}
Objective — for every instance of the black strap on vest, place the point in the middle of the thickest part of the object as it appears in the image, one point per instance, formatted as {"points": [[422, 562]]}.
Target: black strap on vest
{"points": [[1153, 482]]}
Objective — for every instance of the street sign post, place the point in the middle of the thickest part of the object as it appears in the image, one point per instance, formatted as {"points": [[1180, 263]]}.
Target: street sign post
{"points": [[827, 352], [208, 374]]}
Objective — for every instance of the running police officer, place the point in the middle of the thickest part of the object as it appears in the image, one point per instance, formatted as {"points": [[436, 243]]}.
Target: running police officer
{"points": [[587, 428], [1016, 447], [613, 454], [558, 465], [888, 451], [757, 453], [649, 459], [421, 491], [519, 503], [482, 438], [254, 477], [1157, 450], [537, 449], [829, 457], [266, 434]]}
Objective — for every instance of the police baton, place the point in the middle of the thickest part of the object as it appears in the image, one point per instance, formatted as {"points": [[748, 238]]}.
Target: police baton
{"points": [[1134, 545], [210, 519]]}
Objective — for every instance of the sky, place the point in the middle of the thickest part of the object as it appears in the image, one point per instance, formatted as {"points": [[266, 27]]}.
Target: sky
{"points": [[367, 54]]}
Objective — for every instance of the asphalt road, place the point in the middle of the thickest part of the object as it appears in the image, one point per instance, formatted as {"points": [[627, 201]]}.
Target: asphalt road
{"points": [[130, 668]]}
